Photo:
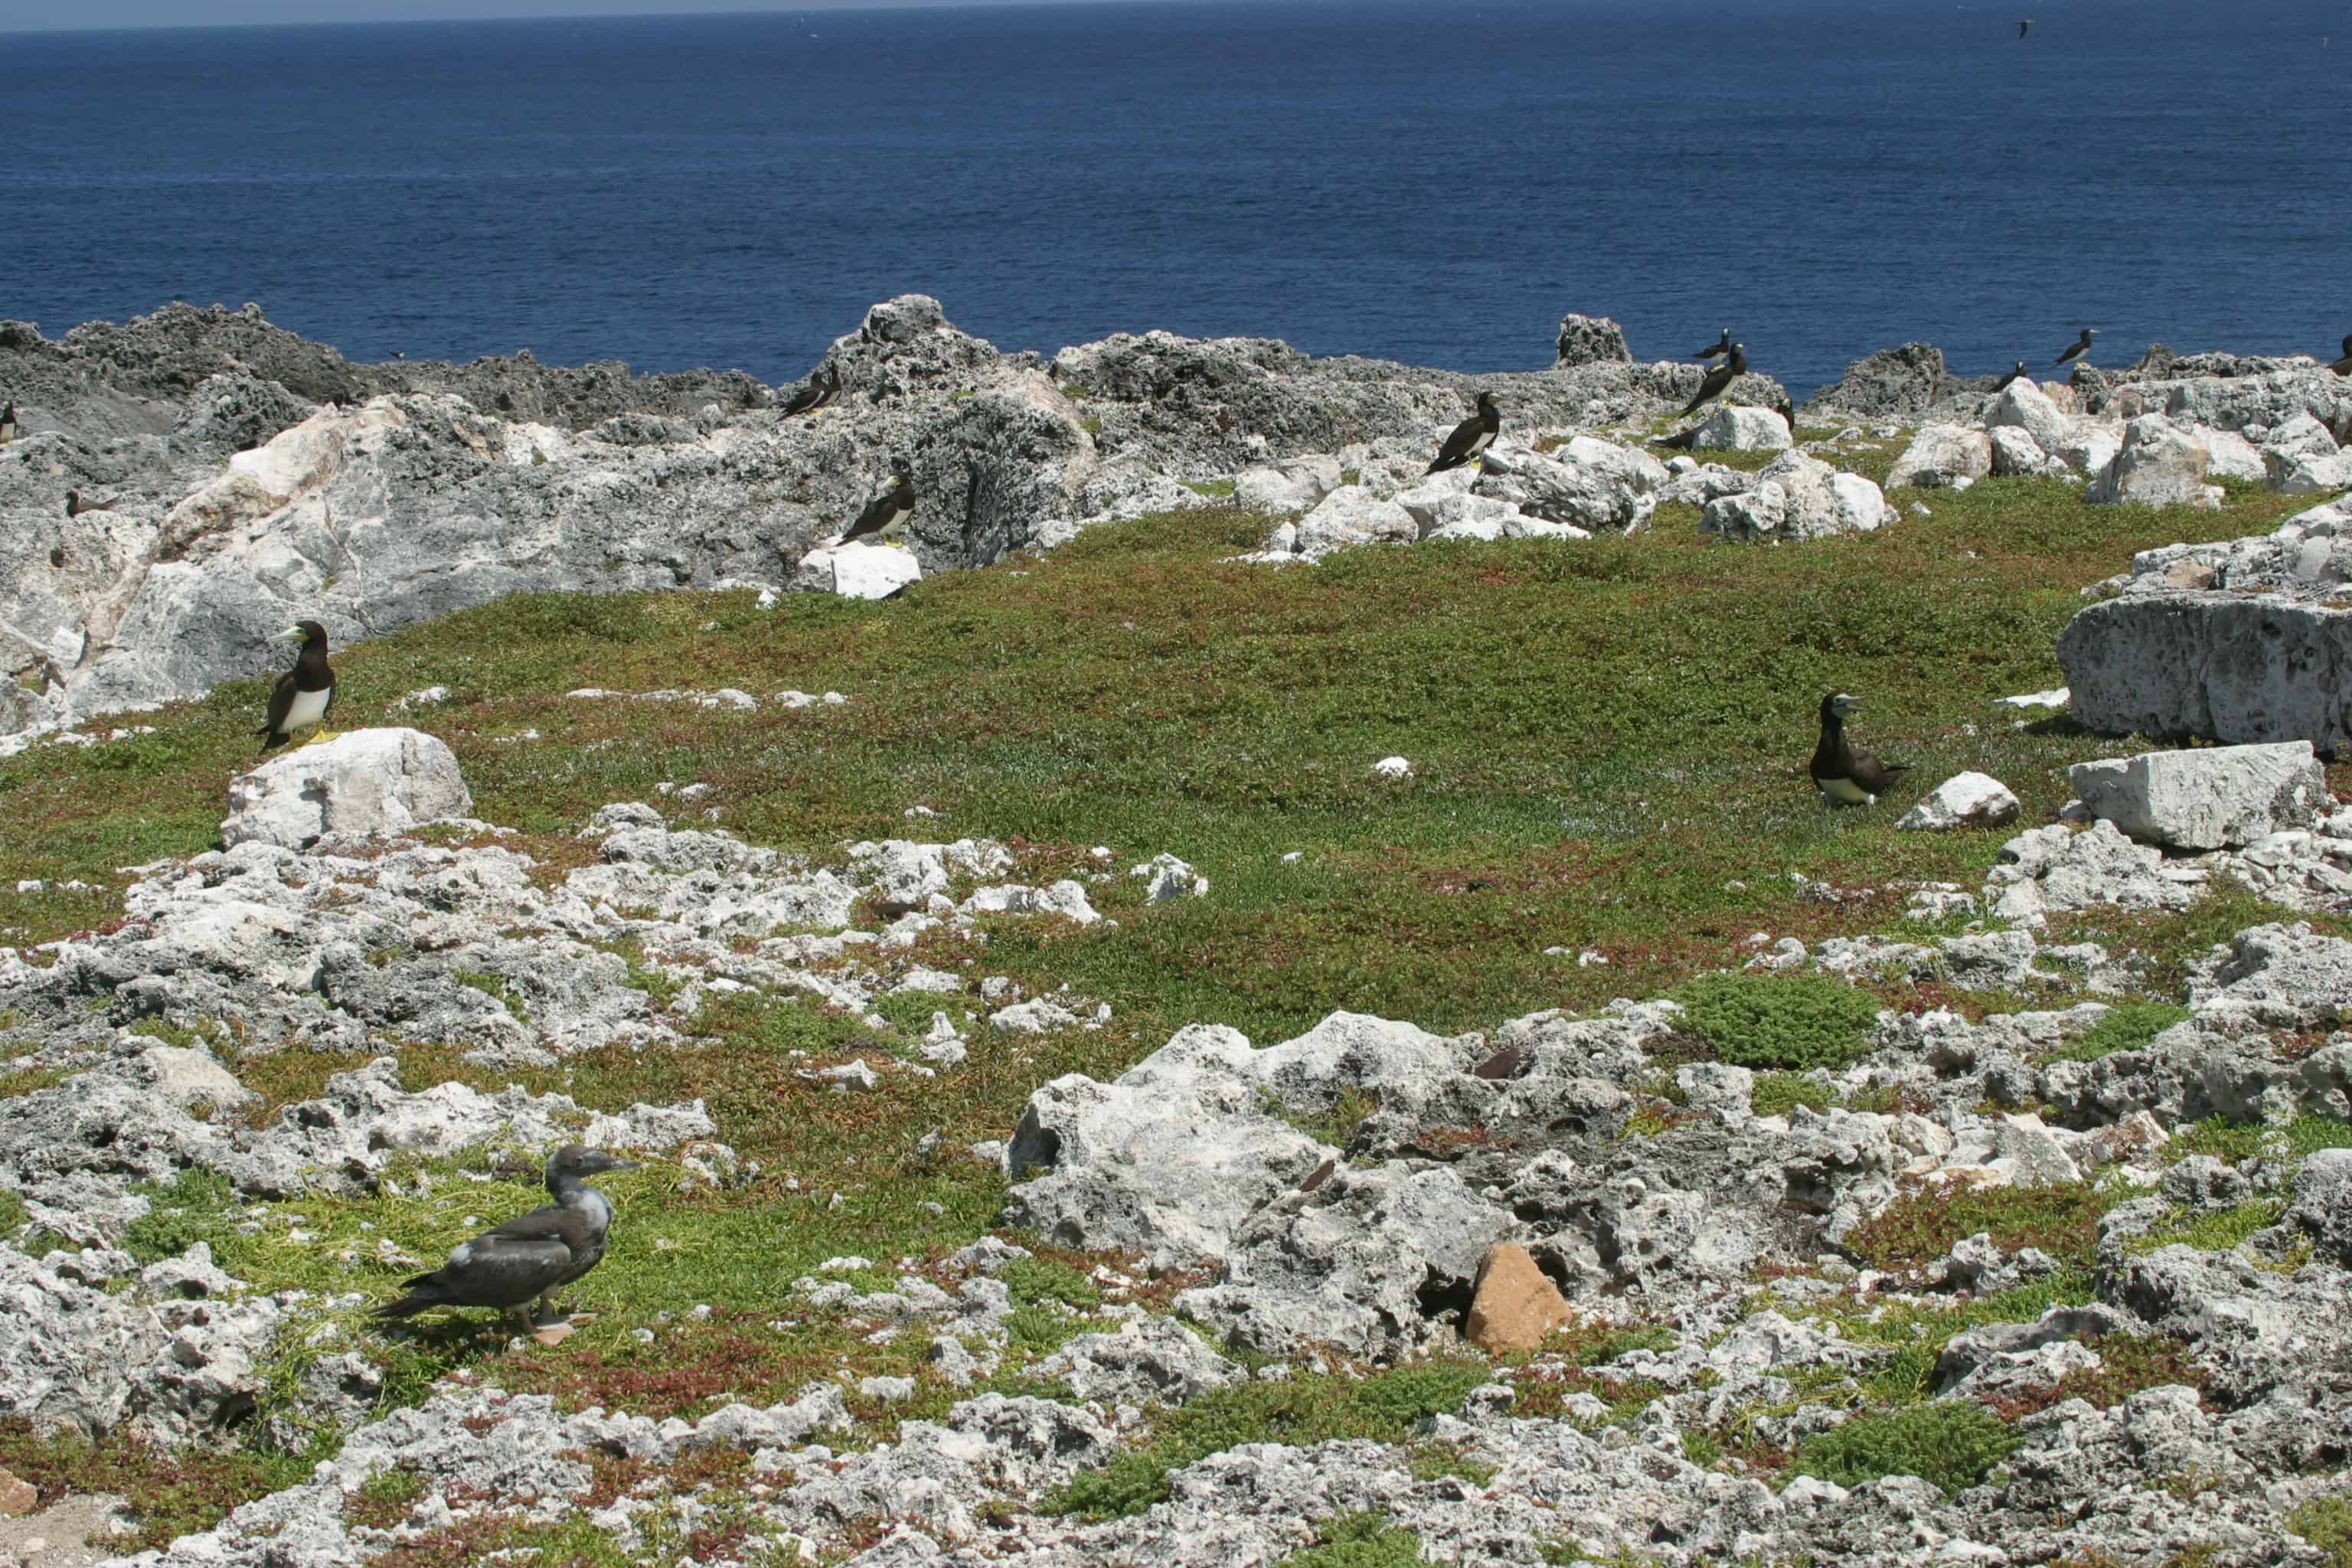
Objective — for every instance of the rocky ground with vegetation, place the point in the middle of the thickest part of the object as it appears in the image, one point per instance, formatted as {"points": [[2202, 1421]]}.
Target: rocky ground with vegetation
{"points": [[1136, 1056]]}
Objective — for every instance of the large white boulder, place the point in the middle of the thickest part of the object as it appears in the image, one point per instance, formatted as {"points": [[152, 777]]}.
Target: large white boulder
{"points": [[858, 571], [1350, 516], [2209, 798], [2024, 406], [2330, 475], [2227, 455], [1797, 497], [2015, 451], [362, 783], [1737, 429], [1293, 484], [2286, 445], [1964, 800], [1943, 456], [2160, 465], [1590, 483]]}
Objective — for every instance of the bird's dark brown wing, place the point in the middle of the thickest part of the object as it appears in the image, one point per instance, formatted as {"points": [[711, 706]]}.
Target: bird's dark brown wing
{"points": [[1456, 449], [281, 702], [1874, 776]]}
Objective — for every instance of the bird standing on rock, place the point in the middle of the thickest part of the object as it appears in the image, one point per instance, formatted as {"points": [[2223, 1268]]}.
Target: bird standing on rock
{"points": [[2343, 365], [509, 1266], [8, 424], [1722, 345], [303, 694], [886, 518], [2079, 347], [1843, 775], [1718, 380], [823, 387], [76, 506], [2016, 374], [1471, 437]]}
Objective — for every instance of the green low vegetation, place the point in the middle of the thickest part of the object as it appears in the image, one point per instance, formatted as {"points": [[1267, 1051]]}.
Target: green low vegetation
{"points": [[1359, 1541], [1791, 1021], [1302, 1409], [2126, 1028], [1955, 1444]]}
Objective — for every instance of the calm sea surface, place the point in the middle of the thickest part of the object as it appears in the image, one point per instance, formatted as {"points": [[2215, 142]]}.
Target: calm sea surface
{"points": [[1434, 183]]}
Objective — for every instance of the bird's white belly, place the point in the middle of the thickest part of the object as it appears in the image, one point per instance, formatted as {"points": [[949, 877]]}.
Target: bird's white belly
{"points": [[309, 708], [1481, 441], [1845, 791]]}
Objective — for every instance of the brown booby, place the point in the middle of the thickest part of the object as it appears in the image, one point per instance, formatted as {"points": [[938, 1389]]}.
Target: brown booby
{"points": [[76, 506], [511, 1265], [823, 387], [1470, 438], [1721, 346], [2016, 374], [8, 424], [303, 694], [2026, 27], [2079, 347], [1720, 378], [2343, 365], [1843, 775], [885, 517]]}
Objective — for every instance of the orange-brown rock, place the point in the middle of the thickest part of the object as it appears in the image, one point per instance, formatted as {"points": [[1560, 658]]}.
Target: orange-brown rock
{"points": [[1515, 1306], [17, 1496]]}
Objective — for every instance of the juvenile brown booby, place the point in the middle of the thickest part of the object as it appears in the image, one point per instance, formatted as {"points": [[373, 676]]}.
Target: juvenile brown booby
{"points": [[511, 1266], [8, 424], [1470, 438], [2016, 374], [1843, 775], [1720, 378], [2079, 347], [2343, 365], [1722, 345], [885, 517], [303, 694], [823, 387]]}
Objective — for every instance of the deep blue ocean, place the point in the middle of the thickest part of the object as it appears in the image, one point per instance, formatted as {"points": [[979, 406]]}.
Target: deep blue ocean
{"points": [[1434, 183]]}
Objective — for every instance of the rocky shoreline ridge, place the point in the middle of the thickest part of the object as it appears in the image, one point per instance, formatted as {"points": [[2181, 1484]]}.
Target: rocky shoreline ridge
{"points": [[230, 477], [1716, 1239]]}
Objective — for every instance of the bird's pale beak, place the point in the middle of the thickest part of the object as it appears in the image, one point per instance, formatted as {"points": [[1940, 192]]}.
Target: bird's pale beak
{"points": [[291, 634], [601, 1163]]}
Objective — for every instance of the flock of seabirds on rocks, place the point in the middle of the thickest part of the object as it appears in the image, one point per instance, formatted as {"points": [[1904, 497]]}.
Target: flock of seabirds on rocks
{"points": [[517, 1266]]}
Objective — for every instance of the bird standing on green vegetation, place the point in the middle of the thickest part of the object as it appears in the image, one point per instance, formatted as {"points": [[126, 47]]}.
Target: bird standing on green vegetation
{"points": [[1716, 349], [2079, 347], [1718, 380], [2343, 365], [303, 694], [885, 517], [1471, 437], [1843, 775], [509, 1266], [823, 387]]}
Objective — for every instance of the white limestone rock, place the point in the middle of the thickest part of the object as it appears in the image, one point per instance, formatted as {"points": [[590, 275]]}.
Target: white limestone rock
{"points": [[1734, 427], [2229, 455], [362, 784], [2329, 475], [2015, 452], [1943, 456], [1964, 800], [2022, 405], [859, 571], [2208, 798], [2160, 465], [1351, 516], [1591, 484], [1798, 497], [1167, 878], [1291, 485]]}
